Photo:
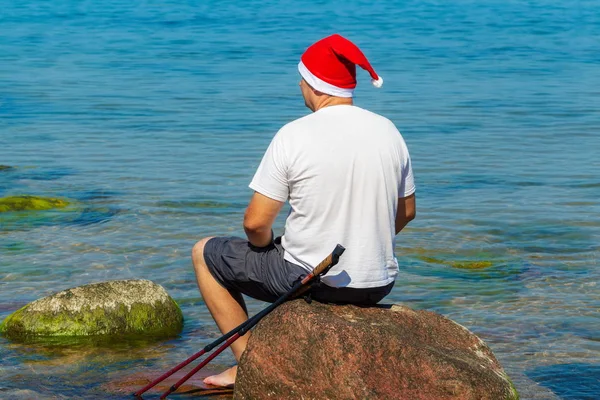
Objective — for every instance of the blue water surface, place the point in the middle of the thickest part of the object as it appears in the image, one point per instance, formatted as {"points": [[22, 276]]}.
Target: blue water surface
{"points": [[152, 117]]}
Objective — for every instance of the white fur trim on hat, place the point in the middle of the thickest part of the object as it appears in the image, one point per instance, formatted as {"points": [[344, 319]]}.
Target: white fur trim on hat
{"points": [[321, 85], [377, 83]]}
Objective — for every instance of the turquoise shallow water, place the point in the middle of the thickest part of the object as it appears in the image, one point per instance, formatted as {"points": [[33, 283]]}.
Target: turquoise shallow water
{"points": [[153, 117]]}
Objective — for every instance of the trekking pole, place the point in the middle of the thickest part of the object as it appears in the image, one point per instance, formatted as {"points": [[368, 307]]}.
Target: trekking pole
{"points": [[244, 327], [320, 269], [176, 368]]}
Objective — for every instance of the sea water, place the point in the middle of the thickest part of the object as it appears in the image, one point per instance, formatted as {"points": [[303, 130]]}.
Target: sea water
{"points": [[153, 116]]}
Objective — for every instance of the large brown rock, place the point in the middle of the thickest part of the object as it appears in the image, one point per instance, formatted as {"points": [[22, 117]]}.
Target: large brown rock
{"points": [[317, 351]]}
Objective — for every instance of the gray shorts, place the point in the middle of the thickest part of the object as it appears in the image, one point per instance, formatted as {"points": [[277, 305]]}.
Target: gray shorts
{"points": [[264, 275]]}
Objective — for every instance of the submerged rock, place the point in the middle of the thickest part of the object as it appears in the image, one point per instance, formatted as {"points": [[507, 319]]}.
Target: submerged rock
{"points": [[194, 387], [24, 394], [459, 264], [471, 264], [320, 351], [113, 308], [30, 203], [5, 167]]}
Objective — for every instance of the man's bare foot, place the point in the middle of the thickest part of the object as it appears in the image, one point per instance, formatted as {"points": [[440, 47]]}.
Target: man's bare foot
{"points": [[224, 379]]}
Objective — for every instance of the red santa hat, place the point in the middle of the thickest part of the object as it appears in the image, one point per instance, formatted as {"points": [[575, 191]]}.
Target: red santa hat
{"points": [[329, 66]]}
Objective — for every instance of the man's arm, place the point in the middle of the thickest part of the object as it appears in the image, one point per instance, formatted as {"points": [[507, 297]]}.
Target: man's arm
{"points": [[406, 212], [259, 218]]}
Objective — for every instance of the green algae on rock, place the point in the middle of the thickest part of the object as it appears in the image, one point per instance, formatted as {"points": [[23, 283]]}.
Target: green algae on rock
{"points": [[30, 203], [113, 308], [458, 264], [5, 167], [471, 264]]}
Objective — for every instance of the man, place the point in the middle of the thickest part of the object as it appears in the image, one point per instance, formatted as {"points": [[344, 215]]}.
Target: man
{"points": [[347, 175]]}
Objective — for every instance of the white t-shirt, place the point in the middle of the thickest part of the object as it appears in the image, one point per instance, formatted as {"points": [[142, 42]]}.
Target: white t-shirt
{"points": [[342, 169]]}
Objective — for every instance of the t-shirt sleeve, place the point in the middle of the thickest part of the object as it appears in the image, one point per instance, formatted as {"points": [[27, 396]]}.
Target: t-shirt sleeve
{"points": [[271, 177], [406, 186]]}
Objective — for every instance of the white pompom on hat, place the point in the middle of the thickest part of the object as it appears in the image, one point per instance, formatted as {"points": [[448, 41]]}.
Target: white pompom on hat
{"points": [[329, 66]]}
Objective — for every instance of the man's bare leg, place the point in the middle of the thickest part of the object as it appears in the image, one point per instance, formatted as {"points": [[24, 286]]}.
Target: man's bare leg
{"points": [[227, 309]]}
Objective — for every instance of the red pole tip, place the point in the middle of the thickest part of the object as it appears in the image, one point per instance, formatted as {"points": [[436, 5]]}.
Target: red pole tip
{"points": [[168, 392]]}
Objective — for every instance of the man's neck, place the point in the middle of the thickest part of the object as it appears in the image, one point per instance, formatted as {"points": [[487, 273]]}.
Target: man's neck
{"points": [[334, 101]]}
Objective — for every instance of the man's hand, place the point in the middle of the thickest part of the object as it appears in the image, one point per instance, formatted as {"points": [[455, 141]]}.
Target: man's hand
{"points": [[259, 218]]}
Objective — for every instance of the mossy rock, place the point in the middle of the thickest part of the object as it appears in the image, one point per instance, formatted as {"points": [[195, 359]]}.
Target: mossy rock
{"points": [[30, 203], [5, 167], [113, 308], [459, 264], [471, 264]]}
